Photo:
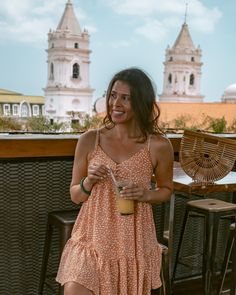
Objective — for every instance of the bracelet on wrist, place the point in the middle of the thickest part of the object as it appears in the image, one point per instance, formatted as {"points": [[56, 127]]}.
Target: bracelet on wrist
{"points": [[83, 188]]}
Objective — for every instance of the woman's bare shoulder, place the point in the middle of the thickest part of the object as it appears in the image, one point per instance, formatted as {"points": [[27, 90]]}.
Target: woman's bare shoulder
{"points": [[160, 141], [161, 150], [87, 140]]}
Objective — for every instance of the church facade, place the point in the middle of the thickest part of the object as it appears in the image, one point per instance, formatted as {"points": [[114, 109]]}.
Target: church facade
{"points": [[68, 95], [182, 70]]}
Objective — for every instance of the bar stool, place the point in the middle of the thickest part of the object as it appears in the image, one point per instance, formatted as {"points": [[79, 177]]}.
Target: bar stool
{"points": [[64, 221], [230, 252], [212, 210]]}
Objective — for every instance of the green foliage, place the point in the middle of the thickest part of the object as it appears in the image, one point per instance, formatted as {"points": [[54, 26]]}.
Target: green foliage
{"points": [[164, 125], [9, 124], [180, 122], [216, 125], [233, 126], [42, 124], [88, 122]]}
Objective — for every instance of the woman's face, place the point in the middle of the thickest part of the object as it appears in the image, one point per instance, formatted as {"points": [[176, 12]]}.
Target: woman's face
{"points": [[120, 103]]}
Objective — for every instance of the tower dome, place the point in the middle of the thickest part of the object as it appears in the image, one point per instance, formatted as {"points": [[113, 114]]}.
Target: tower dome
{"points": [[229, 94]]}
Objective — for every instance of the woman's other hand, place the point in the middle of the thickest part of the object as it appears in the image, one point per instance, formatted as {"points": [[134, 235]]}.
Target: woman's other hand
{"points": [[96, 172]]}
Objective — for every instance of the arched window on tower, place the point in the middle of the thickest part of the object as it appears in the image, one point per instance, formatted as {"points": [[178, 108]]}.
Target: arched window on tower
{"points": [[51, 76], [192, 58], [170, 78], [191, 80], [75, 71], [76, 45], [171, 58]]}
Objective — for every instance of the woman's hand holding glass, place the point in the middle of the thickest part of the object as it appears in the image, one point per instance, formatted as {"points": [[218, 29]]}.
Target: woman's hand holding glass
{"points": [[133, 191]]}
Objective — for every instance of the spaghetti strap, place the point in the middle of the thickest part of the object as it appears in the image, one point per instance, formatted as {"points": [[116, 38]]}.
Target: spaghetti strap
{"points": [[97, 139], [149, 141]]}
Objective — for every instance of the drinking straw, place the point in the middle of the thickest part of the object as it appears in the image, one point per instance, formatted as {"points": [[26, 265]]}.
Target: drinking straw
{"points": [[113, 176]]}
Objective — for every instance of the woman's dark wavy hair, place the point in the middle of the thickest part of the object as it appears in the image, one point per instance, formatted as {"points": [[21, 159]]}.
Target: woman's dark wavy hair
{"points": [[143, 100]]}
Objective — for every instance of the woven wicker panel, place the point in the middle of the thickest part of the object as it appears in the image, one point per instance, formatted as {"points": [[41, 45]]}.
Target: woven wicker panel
{"points": [[206, 158], [29, 189]]}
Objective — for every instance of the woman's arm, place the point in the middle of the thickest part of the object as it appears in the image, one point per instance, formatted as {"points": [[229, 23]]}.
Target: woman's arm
{"points": [[80, 167], [92, 173], [162, 155]]}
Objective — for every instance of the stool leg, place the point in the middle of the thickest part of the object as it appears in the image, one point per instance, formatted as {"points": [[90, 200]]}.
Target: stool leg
{"points": [[209, 255], [225, 263], [65, 235], [171, 229], [179, 244], [46, 251], [233, 279], [165, 276]]}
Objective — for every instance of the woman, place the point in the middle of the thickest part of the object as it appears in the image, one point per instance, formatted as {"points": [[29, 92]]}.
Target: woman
{"points": [[109, 253]]}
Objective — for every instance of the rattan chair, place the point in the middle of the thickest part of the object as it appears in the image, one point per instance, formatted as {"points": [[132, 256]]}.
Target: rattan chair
{"points": [[206, 158]]}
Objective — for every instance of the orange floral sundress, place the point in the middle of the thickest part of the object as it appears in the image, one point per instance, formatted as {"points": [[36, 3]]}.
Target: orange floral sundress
{"points": [[108, 253]]}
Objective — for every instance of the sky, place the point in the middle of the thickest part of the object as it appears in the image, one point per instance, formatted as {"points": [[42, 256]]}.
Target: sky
{"points": [[123, 33]]}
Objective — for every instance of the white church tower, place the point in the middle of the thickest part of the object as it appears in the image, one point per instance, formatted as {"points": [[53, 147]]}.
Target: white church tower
{"points": [[182, 70], [68, 95]]}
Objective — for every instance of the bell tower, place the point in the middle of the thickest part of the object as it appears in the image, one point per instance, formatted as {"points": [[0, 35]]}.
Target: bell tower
{"points": [[68, 94], [182, 70]]}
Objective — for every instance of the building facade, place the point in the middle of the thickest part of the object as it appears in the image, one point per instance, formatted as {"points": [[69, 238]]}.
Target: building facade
{"points": [[17, 105], [68, 95]]}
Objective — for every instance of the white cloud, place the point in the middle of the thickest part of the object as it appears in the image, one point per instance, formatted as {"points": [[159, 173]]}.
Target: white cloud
{"points": [[152, 30], [48, 7], [132, 7], [30, 20], [207, 23], [14, 9], [163, 15]]}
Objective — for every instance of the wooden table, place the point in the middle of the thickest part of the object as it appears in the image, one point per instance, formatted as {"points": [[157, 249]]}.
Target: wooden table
{"points": [[184, 184]]}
